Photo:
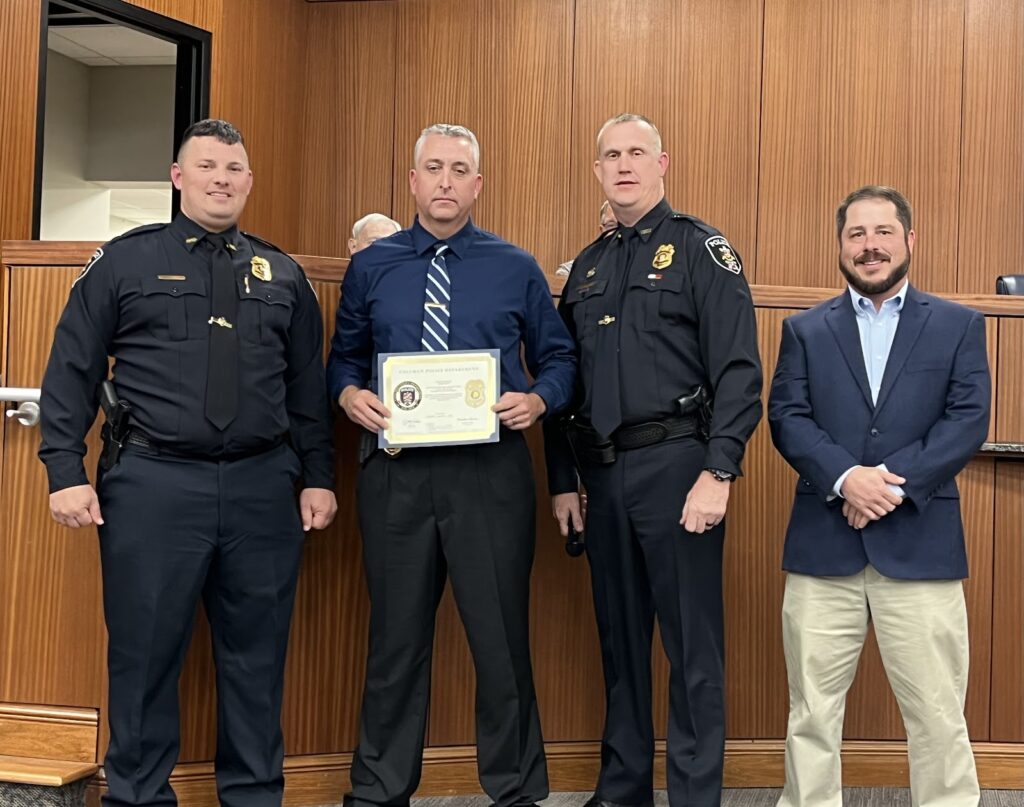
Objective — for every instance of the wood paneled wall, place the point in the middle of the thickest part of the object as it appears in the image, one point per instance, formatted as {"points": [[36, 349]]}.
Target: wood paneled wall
{"points": [[838, 115], [19, 29], [992, 144], [771, 110], [350, 106]]}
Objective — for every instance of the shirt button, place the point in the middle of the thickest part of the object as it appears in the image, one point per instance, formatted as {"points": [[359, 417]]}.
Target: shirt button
{"points": [[874, 432]]}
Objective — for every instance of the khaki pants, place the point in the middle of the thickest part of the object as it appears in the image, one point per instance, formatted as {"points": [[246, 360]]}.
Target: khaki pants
{"points": [[921, 627]]}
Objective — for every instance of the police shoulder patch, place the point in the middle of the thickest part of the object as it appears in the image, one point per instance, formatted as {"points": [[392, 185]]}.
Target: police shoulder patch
{"points": [[89, 265], [723, 254]]}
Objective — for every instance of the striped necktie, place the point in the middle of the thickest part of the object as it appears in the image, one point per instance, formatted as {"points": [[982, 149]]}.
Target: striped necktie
{"points": [[437, 303]]}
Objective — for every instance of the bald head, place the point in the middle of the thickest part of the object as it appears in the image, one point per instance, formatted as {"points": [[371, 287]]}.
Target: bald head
{"points": [[370, 228]]}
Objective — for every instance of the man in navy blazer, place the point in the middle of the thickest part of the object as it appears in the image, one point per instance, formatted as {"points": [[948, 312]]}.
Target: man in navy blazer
{"points": [[880, 397]]}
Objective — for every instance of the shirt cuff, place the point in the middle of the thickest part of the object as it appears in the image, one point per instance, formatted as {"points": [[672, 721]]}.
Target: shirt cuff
{"points": [[837, 488], [722, 455], [544, 392], [65, 469]]}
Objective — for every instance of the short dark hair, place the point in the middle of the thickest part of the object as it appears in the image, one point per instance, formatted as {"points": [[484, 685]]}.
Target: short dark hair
{"points": [[211, 127], [903, 212]]}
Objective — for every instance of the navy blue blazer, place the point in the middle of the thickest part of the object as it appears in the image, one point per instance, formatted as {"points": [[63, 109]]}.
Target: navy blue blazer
{"points": [[931, 416]]}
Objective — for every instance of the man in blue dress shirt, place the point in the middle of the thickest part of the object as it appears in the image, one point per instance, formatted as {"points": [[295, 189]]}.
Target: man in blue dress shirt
{"points": [[880, 398], [468, 511]]}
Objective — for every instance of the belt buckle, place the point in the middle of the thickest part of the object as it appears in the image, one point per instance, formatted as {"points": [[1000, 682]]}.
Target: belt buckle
{"points": [[392, 452]]}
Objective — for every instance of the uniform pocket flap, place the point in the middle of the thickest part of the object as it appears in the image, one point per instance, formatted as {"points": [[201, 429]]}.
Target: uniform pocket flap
{"points": [[172, 285], [585, 290], [659, 281], [266, 295]]}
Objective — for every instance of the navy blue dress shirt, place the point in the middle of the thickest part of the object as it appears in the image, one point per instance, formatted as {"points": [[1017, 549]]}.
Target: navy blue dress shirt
{"points": [[500, 299]]}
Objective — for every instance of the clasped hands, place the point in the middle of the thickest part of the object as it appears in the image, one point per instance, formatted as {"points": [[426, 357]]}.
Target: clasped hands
{"points": [[867, 495]]}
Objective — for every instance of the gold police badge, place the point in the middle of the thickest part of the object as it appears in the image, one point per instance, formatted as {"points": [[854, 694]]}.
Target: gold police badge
{"points": [[261, 269], [475, 392], [663, 257]]}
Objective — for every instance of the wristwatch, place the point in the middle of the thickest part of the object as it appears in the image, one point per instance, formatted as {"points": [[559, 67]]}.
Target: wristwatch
{"points": [[721, 476]]}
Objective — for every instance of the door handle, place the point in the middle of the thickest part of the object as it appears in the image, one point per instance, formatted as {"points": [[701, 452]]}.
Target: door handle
{"points": [[27, 398]]}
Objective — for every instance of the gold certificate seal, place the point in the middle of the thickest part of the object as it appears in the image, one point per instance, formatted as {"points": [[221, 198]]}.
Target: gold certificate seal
{"points": [[475, 392]]}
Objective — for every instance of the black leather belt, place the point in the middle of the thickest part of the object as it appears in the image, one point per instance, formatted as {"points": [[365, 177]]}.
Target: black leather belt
{"points": [[626, 438], [589, 446], [140, 439]]}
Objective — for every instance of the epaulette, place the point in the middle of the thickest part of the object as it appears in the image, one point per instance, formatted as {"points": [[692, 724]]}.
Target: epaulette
{"points": [[265, 243], [145, 228], [696, 222], [600, 237]]}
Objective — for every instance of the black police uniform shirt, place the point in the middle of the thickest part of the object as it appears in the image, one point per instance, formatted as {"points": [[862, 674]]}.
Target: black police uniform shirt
{"points": [[500, 299], [144, 298], [684, 317]]}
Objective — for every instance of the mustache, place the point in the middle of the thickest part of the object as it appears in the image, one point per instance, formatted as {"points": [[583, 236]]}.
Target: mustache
{"points": [[872, 255]]}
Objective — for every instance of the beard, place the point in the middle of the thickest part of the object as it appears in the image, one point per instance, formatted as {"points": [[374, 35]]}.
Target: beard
{"points": [[869, 288]]}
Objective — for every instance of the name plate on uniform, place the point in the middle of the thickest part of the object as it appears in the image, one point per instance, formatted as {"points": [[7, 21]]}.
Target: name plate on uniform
{"points": [[439, 399]]}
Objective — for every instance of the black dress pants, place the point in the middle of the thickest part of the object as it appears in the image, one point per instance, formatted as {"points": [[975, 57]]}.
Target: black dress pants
{"points": [[177, 530], [467, 512], [643, 563]]}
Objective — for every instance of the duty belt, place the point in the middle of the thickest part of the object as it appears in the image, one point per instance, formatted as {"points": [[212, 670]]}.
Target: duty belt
{"points": [[588, 445], [140, 439], [626, 438]]}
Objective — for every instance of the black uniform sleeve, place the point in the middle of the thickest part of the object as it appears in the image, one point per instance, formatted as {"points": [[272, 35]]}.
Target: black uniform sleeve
{"points": [[728, 344], [309, 412], [562, 476], [77, 365]]}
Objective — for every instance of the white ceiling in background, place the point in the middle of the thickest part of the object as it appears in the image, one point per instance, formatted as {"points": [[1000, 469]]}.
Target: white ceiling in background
{"points": [[141, 205], [109, 45]]}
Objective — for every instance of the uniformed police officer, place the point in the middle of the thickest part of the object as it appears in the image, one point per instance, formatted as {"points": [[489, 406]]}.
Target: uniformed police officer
{"points": [[216, 338], [668, 394]]}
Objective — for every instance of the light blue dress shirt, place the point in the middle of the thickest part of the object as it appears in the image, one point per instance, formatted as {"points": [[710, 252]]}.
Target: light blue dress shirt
{"points": [[877, 330]]}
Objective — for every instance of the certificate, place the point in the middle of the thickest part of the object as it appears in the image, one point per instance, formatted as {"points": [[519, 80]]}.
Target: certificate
{"points": [[442, 398]]}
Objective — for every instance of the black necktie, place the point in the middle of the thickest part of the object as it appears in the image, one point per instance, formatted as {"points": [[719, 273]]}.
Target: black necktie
{"points": [[606, 398], [222, 372]]}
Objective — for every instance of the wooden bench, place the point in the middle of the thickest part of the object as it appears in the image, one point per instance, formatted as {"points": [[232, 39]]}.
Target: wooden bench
{"points": [[28, 782]]}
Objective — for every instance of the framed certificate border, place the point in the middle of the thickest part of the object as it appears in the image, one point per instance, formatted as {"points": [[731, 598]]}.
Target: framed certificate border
{"points": [[439, 399]]}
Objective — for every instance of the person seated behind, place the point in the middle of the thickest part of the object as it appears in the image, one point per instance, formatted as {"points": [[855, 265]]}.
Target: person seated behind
{"points": [[368, 229]]}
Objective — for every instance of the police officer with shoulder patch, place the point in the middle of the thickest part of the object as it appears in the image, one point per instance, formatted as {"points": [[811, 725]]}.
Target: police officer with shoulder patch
{"points": [[668, 394], [217, 457]]}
